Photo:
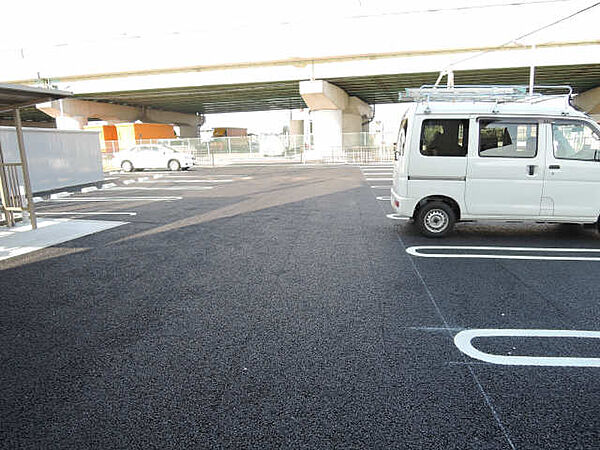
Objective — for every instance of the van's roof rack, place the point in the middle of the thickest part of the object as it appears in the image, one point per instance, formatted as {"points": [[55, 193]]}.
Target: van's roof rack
{"points": [[484, 93]]}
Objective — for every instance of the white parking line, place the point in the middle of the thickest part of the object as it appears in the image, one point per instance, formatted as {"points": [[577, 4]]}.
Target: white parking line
{"points": [[188, 181], [376, 168], [370, 174], [417, 251], [115, 199], [170, 172], [237, 175], [75, 213], [166, 188], [381, 187], [379, 179], [463, 341], [369, 166], [395, 216], [384, 198]]}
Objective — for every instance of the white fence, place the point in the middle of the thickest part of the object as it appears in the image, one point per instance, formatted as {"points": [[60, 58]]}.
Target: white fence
{"points": [[356, 148]]}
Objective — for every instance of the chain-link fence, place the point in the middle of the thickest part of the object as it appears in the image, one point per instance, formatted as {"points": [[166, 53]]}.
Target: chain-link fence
{"points": [[356, 148]]}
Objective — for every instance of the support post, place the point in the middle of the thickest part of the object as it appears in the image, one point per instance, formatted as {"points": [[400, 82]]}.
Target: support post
{"points": [[25, 168], [532, 70]]}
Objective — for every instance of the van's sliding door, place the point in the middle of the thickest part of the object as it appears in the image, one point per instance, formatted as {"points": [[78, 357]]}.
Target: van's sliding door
{"points": [[505, 169]]}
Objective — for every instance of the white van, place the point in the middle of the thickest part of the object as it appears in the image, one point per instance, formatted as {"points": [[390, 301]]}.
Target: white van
{"points": [[464, 155]]}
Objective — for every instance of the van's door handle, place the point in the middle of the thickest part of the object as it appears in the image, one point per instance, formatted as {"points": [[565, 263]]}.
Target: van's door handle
{"points": [[531, 169], [553, 167]]}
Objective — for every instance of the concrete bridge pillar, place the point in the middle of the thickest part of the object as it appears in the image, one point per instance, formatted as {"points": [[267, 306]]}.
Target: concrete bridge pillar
{"points": [[71, 122], [336, 118], [188, 131], [589, 101], [73, 114]]}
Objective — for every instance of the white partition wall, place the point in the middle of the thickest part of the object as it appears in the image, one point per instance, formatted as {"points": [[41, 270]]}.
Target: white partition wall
{"points": [[57, 158]]}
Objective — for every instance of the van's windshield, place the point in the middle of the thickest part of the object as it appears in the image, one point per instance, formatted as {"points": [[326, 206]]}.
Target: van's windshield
{"points": [[575, 140]]}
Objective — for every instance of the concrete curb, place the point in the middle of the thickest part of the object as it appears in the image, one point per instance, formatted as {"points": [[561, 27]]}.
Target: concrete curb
{"points": [[62, 194]]}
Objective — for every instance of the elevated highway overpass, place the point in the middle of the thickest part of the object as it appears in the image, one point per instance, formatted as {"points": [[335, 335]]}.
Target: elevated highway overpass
{"points": [[374, 78]]}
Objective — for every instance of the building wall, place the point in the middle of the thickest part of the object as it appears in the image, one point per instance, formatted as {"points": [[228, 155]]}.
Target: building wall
{"points": [[57, 158], [130, 134]]}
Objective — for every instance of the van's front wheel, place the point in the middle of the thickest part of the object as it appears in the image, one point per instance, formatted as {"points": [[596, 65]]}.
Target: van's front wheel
{"points": [[435, 219]]}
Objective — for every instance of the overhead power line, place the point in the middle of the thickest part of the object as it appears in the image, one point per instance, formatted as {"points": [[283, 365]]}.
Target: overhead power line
{"points": [[458, 8], [124, 36], [523, 36]]}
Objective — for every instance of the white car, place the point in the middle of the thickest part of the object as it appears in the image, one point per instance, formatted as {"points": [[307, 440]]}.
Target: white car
{"points": [[153, 156], [532, 158]]}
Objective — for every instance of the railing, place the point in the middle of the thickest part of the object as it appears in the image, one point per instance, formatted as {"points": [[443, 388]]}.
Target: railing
{"points": [[355, 148], [11, 195]]}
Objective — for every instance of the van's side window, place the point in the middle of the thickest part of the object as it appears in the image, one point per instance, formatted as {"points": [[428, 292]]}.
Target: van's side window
{"points": [[575, 140], [444, 137], [402, 136], [501, 139]]}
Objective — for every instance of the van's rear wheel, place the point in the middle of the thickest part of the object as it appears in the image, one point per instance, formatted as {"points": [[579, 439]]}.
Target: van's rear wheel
{"points": [[435, 219]]}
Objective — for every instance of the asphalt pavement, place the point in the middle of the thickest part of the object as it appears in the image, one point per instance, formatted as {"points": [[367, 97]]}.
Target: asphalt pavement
{"points": [[277, 307]]}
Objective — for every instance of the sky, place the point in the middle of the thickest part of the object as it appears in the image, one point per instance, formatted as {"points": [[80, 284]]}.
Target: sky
{"points": [[67, 36], [74, 22]]}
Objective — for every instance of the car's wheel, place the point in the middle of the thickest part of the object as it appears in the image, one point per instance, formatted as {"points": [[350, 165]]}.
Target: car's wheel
{"points": [[435, 219], [174, 165], [127, 166]]}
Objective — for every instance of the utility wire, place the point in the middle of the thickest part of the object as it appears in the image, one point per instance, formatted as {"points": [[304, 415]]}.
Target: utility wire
{"points": [[459, 8], [512, 41], [124, 36]]}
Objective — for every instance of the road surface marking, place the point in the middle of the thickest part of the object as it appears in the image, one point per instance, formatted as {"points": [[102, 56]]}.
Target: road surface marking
{"points": [[369, 174], [166, 188], [75, 213], [416, 251], [384, 198], [115, 199], [462, 340], [395, 216], [188, 181]]}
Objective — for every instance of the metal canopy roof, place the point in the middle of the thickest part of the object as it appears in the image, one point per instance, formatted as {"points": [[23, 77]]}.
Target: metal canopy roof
{"points": [[13, 96], [285, 94]]}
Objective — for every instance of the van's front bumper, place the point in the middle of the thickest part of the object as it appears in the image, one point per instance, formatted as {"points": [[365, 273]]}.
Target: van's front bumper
{"points": [[400, 205]]}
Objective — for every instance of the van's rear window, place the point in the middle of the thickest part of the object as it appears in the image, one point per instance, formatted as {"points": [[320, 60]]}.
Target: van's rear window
{"points": [[444, 137]]}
